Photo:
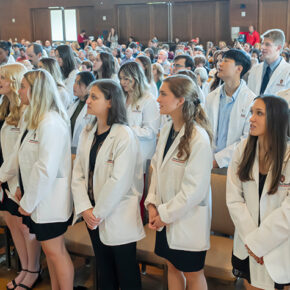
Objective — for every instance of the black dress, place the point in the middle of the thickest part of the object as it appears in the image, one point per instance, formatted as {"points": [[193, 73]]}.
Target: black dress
{"points": [[185, 261], [241, 268], [43, 231]]}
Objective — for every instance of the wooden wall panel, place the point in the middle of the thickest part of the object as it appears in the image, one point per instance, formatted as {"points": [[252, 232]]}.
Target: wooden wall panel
{"points": [[139, 15], [182, 22], [41, 24], [160, 22], [273, 14]]}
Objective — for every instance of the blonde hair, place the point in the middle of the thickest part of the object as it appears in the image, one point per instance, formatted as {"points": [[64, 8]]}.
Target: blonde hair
{"points": [[14, 73], [160, 70], [276, 35], [43, 97], [183, 87]]}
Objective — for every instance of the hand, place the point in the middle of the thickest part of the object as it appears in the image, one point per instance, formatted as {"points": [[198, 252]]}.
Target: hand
{"points": [[258, 260], [18, 194], [91, 221], [215, 165], [158, 223], [23, 212], [153, 213]]}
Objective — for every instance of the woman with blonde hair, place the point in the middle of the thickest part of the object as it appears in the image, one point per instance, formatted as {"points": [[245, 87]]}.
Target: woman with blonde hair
{"points": [[52, 66], [158, 74], [42, 157], [11, 122], [142, 108], [178, 200]]}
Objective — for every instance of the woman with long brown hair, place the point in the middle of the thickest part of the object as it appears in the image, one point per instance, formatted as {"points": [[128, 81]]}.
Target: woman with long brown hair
{"points": [[258, 187], [179, 195]]}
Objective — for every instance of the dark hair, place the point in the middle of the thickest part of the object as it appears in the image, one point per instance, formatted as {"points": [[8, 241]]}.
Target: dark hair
{"points": [[286, 53], [240, 57], [256, 51], [88, 64], [277, 118], [22, 48], [145, 60], [108, 65], [5, 45], [133, 45], [113, 92], [151, 53], [37, 48], [69, 63], [188, 60], [86, 77]]}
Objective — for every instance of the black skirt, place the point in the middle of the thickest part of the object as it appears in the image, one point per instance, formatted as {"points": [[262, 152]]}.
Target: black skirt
{"points": [[46, 231], [8, 204], [241, 269], [185, 261]]}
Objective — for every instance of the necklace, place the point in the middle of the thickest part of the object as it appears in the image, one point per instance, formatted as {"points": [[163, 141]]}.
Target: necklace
{"points": [[173, 133]]}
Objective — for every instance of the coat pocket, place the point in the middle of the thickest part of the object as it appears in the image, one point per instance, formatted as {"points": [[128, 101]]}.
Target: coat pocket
{"points": [[191, 233]]}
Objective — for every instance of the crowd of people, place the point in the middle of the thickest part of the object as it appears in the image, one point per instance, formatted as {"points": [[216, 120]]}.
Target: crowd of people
{"points": [[185, 107]]}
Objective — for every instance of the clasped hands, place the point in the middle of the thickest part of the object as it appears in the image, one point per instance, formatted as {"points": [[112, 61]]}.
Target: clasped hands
{"points": [[91, 221], [258, 260], [155, 221]]}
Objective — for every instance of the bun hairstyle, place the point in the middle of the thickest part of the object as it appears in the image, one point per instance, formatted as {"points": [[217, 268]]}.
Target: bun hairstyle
{"points": [[183, 87]]}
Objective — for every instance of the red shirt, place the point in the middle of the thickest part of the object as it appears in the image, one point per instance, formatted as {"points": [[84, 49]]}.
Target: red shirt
{"points": [[81, 39], [252, 38]]}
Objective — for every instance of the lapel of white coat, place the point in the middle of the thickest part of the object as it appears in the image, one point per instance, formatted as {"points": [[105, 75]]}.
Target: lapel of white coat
{"points": [[274, 77], [172, 147], [215, 111], [87, 150], [258, 79]]}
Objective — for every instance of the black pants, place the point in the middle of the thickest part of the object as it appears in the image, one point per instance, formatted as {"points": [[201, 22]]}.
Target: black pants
{"points": [[117, 265]]}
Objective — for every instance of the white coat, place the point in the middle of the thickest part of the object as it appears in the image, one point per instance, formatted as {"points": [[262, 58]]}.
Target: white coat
{"points": [[69, 83], [9, 136], [153, 89], [144, 119], [117, 184], [44, 158], [239, 120], [80, 123], [64, 95], [180, 190], [271, 239], [279, 81], [285, 95]]}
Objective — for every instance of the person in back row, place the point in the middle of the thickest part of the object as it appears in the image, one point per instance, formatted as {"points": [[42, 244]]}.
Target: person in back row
{"points": [[228, 106], [272, 75]]}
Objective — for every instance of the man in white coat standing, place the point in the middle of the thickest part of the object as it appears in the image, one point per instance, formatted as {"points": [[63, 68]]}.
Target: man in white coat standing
{"points": [[272, 75], [228, 106]]}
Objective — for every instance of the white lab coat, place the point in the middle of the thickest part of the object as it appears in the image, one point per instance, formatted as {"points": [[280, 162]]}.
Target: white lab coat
{"points": [[69, 84], [80, 123], [153, 89], [117, 184], [64, 95], [285, 95], [239, 120], [180, 190], [271, 239], [9, 136], [144, 119], [44, 158], [279, 81]]}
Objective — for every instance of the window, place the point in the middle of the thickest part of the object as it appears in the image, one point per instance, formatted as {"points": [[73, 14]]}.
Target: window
{"points": [[58, 27]]}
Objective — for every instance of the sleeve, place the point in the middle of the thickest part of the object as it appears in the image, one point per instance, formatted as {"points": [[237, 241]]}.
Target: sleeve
{"points": [[150, 121], [44, 171], [236, 203], [272, 232], [194, 186], [257, 37], [122, 176], [79, 186]]}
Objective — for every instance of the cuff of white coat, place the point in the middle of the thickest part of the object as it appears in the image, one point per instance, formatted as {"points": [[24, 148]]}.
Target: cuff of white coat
{"points": [[221, 160], [148, 201], [82, 207], [164, 214], [25, 207], [252, 244]]}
